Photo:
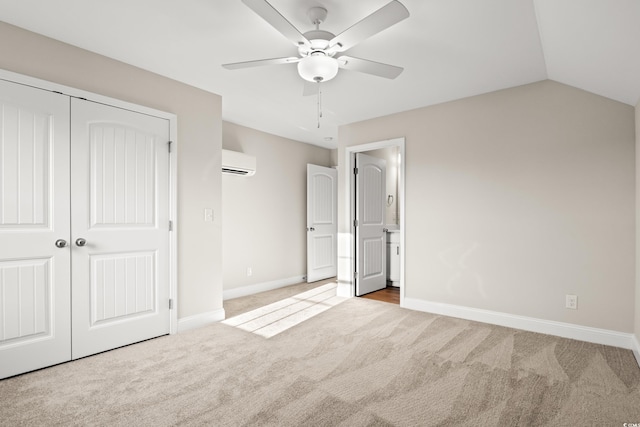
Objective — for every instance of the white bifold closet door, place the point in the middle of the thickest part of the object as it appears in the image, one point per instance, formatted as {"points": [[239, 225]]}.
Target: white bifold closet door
{"points": [[35, 297], [119, 227], [84, 228]]}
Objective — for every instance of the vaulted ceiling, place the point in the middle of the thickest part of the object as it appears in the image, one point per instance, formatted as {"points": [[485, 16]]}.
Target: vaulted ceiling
{"points": [[449, 49]]}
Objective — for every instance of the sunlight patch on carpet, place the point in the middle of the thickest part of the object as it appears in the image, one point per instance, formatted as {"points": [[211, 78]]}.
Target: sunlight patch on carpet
{"points": [[275, 318]]}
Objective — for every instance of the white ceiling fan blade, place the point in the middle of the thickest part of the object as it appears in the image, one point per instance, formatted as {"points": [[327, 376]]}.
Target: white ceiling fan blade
{"points": [[277, 21], [261, 62], [379, 20], [370, 67]]}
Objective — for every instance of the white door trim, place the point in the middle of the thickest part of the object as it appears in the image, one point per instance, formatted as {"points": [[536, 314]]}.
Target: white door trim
{"points": [[347, 287], [173, 163]]}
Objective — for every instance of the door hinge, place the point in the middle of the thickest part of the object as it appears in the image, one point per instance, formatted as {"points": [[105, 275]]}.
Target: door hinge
{"points": [[169, 145], [355, 171], [355, 275], [170, 225], [170, 304], [355, 222]]}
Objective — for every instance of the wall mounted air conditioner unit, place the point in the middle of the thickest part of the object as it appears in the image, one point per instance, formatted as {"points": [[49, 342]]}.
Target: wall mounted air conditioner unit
{"points": [[235, 163]]}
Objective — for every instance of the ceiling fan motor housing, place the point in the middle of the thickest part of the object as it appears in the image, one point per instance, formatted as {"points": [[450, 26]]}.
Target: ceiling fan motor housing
{"points": [[319, 40], [316, 64]]}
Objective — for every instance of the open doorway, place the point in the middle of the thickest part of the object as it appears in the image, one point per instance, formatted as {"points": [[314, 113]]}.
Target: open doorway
{"points": [[392, 154]]}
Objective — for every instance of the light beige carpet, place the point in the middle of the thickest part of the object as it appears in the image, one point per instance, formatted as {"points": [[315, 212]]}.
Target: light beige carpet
{"points": [[236, 306], [275, 318], [360, 363]]}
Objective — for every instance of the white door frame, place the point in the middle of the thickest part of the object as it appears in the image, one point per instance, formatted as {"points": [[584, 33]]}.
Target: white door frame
{"points": [[173, 165], [350, 197]]}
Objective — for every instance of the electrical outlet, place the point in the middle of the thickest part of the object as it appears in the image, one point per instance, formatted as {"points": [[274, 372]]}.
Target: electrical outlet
{"points": [[208, 215], [249, 271], [572, 302]]}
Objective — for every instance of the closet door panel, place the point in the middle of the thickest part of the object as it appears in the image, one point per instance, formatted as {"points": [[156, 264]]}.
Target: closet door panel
{"points": [[34, 214], [120, 186]]}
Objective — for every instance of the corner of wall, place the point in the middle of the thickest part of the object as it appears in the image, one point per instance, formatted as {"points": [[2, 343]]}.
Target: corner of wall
{"points": [[636, 348], [266, 250], [637, 293], [200, 320]]}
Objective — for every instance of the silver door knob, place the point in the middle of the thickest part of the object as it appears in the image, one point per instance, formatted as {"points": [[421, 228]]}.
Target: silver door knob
{"points": [[81, 242], [61, 243]]}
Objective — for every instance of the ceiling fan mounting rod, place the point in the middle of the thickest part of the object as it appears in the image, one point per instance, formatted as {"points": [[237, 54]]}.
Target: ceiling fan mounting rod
{"points": [[317, 15]]}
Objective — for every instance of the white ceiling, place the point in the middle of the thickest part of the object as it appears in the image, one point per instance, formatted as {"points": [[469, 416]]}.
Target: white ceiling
{"points": [[450, 49]]}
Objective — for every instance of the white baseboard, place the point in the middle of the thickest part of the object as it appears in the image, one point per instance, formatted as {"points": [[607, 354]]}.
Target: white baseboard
{"points": [[566, 330], [202, 319], [636, 348], [261, 287]]}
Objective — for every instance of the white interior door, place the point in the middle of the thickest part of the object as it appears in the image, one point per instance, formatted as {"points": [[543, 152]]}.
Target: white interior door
{"points": [[120, 227], [322, 223], [35, 329], [371, 242]]}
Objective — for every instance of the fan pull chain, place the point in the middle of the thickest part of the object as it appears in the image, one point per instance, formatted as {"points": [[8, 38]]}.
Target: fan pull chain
{"points": [[319, 104]]}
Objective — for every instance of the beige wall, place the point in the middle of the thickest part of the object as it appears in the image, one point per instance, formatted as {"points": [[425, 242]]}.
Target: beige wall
{"points": [[637, 322], [199, 142], [516, 198], [264, 215]]}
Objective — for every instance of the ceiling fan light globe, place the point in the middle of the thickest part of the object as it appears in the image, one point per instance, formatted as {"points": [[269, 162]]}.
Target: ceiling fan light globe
{"points": [[318, 68]]}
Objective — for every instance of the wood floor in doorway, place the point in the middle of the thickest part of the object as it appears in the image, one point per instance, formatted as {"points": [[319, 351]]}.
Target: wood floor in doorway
{"points": [[389, 294]]}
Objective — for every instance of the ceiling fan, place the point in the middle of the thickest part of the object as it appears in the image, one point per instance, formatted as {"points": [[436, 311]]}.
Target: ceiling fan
{"points": [[320, 52]]}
